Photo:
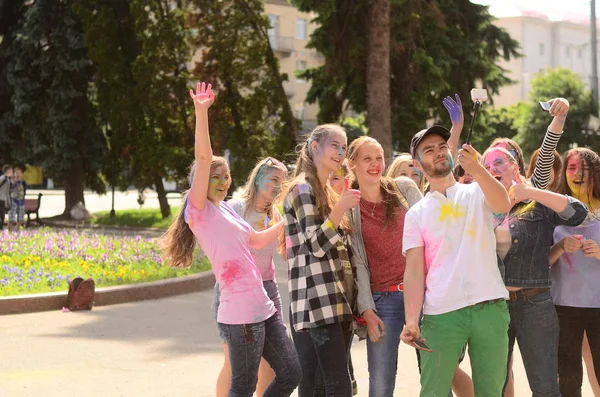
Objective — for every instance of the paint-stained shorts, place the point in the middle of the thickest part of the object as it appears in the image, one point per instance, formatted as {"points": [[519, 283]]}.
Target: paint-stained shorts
{"points": [[16, 213], [272, 292]]}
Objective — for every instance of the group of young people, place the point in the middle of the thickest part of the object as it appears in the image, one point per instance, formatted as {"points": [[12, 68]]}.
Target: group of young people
{"points": [[448, 250]]}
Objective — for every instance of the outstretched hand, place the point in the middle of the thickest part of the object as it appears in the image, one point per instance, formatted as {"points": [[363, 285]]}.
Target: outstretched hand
{"points": [[204, 96], [454, 108]]}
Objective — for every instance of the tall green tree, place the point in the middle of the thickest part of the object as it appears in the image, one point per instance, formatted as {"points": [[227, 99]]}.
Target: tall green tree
{"points": [[50, 75], [437, 48], [553, 83], [140, 50], [251, 116], [497, 122], [11, 16]]}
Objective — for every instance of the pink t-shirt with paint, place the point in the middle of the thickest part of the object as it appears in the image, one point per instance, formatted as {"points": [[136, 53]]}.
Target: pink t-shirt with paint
{"points": [[224, 238]]}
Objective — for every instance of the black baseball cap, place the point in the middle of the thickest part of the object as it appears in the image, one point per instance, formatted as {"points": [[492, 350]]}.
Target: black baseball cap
{"points": [[419, 136]]}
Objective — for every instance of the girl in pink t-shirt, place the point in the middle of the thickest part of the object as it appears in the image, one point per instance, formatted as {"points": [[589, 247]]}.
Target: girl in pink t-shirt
{"points": [[246, 317]]}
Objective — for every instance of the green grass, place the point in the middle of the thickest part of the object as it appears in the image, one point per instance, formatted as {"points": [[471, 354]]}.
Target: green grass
{"points": [[145, 217]]}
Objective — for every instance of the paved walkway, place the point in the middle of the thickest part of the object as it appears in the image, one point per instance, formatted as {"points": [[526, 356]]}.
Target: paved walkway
{"points": [[167, 347]]}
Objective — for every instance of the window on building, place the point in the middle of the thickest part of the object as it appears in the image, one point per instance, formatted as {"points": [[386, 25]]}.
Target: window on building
{"points": [[301, 29], [580, 53], [274, 25], [568, 52], [541, 48], [300, 65]]}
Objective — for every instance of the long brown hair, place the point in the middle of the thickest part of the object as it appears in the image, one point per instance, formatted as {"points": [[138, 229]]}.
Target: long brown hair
{"points": [[306, 171], [389, 190], [589, 158], [249, 190], [556, 167], [178, 242], [514, 146]]}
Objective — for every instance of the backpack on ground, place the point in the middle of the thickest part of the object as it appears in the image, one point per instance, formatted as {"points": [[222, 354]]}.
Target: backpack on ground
{"points": [[81, 294]]}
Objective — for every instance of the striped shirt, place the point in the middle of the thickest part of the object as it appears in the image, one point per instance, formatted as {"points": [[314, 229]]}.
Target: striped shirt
{"points": [[318, 260], [543, 166]]}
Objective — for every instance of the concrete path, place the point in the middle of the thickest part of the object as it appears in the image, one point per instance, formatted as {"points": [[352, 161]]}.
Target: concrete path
{"points": [[168, 347]]}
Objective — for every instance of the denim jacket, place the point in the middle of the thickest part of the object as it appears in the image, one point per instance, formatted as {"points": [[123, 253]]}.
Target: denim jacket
{"points": [[531, 227]]}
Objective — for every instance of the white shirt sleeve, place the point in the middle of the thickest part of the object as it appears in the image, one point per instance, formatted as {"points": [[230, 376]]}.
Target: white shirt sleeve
{"points": [[412, 237]]}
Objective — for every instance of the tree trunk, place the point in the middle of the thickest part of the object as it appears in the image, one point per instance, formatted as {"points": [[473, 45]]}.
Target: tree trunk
{"points": [[378, 75], [165, 208], [74, 185]]}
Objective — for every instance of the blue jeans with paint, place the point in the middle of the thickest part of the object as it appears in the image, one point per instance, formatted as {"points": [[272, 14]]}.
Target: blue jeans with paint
{"points": [[534, 325], [323, 354], [382, 356], [247, 343]]}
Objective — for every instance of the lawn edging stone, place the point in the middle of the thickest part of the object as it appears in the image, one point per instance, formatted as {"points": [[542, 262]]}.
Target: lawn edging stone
{"points": [[110, 295]]}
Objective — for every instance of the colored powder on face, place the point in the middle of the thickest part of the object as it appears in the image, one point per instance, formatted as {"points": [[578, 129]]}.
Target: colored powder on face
{"points": [[450, 160]]}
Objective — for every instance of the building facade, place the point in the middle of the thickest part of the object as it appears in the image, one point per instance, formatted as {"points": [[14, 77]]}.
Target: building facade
{"points": [[289, 34], [544, 44]]}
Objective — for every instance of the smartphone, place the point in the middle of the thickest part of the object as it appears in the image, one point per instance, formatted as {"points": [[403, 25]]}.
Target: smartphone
{"points": [[545, 105], [479, 94], [422, 346]]}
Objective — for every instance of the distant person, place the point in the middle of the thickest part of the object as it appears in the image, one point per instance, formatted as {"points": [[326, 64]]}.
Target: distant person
{"points": [[5, 182], [18, 188]]}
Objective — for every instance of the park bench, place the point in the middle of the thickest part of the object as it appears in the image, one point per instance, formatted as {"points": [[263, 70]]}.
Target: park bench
{"points": [[32, 206]]}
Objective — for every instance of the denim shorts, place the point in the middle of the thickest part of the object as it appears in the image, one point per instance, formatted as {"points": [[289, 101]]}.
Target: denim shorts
{"points": [[272, 292]]}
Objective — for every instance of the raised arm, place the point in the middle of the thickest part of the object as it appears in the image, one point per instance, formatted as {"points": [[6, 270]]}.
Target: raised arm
{"points": [[455, 111], [543, 165], [203, 98], [496, 196]]}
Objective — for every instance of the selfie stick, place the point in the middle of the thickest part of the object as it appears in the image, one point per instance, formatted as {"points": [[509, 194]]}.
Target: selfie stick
{"points": [[477, 95]]}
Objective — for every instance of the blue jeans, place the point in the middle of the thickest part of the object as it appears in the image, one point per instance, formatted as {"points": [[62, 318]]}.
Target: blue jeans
{"points": [[534, 325], [247, 343], [382, 356], [323, 355]]}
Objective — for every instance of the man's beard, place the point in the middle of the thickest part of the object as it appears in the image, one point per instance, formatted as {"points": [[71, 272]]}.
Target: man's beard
{"points": [[437, 170]]}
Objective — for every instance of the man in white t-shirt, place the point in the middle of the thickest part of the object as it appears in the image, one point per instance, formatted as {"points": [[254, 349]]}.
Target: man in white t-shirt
{"points": [[452, 271]]}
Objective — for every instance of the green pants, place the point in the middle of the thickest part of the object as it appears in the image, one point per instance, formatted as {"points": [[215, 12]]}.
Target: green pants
{"points": [[485, 328]]}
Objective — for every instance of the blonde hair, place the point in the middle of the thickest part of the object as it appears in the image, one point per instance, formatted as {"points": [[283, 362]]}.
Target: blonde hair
{"points": [[249, 190], [178, 242], [389, 190], [394, 169], [306, 171]]}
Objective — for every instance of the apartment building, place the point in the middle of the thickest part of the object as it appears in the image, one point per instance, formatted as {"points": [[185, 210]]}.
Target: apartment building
{"points": [[544, 44], [289, 35]]}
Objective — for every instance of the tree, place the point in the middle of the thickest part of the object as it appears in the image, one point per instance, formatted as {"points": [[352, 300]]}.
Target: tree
{"points": [[251, 116], [550, 84], [437, 48], [49, 75], [497, 122], [140, 49], [378, 75]]}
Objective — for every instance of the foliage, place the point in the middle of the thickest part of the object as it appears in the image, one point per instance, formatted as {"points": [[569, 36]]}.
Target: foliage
{"points": [[51, 117], [44, 261], [251, 116], [140, 50], [438, 48], [496, 122], [355, 127], [553, 83], [146, 217]]}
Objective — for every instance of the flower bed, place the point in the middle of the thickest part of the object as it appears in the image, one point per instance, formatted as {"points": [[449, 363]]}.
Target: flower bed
{"points": [[45, 261]]}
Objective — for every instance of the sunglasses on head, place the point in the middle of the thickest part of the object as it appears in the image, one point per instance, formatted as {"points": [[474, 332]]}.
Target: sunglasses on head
{"points": [[270, 161]]}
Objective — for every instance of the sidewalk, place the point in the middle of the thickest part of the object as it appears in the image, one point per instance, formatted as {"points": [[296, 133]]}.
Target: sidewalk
{"points": [[167, 347]]}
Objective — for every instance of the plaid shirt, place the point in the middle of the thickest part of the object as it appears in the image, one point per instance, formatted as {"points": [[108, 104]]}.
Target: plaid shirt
{"points": [[318, 260]]}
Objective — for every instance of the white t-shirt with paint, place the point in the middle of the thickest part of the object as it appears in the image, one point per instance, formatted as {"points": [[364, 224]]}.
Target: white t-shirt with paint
{"points": [[457, 231]]}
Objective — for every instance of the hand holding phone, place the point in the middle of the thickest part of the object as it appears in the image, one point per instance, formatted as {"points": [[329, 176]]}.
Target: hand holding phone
{"points": [[545, 105], [420, 344]]}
